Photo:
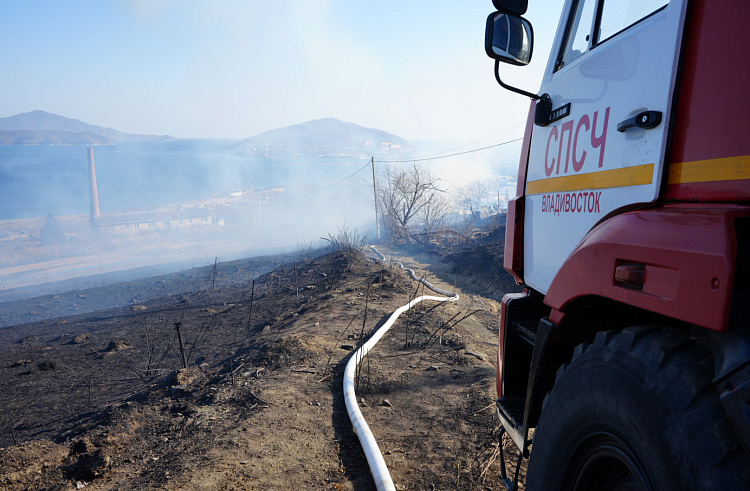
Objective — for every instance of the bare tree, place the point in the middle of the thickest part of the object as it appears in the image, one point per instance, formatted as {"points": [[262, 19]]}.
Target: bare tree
{"points": [[475, 193], [406, 195], [433, 214]]}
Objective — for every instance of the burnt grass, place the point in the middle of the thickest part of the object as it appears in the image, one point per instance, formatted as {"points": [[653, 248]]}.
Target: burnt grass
{"points": [[478, 259], [102, 397], [109, 291], [57, 371]]}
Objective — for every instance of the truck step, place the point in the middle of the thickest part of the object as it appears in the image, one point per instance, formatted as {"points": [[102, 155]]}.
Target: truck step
{"points": [[511, 413], [527, 331]]}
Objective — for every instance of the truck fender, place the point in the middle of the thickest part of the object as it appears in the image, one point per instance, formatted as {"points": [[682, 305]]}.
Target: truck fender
{"points": [[687, 256]]}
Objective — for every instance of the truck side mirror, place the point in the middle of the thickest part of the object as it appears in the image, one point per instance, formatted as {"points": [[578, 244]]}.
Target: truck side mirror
{"points": [[509, 38], [517, 7]]}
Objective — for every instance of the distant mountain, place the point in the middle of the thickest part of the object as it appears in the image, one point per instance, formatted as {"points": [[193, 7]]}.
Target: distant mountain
{"points": [[44, 121], [320, 137], [51, 137]]}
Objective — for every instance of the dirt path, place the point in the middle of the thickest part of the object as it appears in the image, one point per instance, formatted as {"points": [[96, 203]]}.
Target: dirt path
{"points": [[261, 406]]}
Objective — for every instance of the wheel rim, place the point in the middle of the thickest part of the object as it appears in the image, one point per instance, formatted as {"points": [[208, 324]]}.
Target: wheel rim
{"points": [[603, 462]]}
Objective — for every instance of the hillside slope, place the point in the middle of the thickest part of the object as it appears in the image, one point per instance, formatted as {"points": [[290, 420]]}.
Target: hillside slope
{"points": [[41, 120], [51, 137], [327, 136]]}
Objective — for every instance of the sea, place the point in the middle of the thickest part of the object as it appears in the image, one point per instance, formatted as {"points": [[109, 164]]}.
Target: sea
{"points": [[39, 179]]}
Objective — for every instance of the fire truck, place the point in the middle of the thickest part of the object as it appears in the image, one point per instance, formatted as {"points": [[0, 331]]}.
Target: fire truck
{"points": [[625, 362]]}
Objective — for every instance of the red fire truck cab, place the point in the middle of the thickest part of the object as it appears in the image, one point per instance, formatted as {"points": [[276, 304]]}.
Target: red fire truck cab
{"points": [[628, 352]]}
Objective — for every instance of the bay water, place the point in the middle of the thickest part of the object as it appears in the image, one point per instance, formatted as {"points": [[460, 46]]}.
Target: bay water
{"points": [[39, 179]]}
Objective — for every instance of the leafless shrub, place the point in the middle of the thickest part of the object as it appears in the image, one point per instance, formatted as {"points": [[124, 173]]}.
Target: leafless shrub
{"points": [[351, 242], [304, 250], [13, 433], [346, 239], [464, 227]]}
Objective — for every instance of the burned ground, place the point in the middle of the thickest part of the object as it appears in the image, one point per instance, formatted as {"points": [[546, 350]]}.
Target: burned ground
{"points": [[117, 289], [102, 399]]}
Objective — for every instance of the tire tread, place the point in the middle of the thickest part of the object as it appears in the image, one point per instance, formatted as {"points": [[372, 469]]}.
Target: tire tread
{"points": [[679, 372]]}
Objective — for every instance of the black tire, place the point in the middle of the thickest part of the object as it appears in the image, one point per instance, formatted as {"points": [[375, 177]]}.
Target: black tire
{"points": [[636, 410]]}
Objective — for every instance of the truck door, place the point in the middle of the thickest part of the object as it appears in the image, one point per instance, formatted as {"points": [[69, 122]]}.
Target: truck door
{"points": [[613, 65]]}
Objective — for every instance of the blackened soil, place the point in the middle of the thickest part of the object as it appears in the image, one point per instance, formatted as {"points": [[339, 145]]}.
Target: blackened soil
{"points": [[102, 399]]}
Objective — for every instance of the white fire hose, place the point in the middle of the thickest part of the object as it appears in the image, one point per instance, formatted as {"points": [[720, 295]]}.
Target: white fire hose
{"points": [[378, 469]]}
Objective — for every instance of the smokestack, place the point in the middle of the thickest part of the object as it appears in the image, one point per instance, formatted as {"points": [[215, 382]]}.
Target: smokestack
{"points": [[93, 192]]}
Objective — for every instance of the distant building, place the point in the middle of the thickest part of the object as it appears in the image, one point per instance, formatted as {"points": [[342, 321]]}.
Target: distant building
{"points": [[127, 223]]}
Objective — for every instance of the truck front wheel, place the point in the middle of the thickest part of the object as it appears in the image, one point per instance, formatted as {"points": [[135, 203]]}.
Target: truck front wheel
{"points": [[636, 411]]}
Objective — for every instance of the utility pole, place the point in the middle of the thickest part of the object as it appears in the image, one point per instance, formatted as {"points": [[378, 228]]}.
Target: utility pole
{"points": [[375, 191], [252, 212]]}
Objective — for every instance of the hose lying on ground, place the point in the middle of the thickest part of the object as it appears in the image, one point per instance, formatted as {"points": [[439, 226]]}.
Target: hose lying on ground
{"points": [[378, 469]]}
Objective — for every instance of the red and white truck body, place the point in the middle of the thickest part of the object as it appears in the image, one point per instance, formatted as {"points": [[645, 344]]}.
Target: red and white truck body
{"points": [[580, 168], [631, 221]]}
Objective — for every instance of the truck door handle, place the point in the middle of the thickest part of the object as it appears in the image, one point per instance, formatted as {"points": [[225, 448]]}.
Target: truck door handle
{"points": [[645, 120]]}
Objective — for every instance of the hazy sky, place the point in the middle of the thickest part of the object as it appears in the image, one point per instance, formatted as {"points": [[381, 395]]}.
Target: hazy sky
{"points": [[232, 69]]}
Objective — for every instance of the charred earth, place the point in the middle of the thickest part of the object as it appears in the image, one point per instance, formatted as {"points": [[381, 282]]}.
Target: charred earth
{"points": [[103, 400]]}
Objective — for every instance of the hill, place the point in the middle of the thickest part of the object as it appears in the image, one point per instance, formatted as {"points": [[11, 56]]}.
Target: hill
{"points": [[43, 121], [101, 400], [51, 137], [319, 137]]}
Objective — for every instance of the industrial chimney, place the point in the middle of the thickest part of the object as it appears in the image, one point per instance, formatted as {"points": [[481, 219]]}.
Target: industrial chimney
{"points": [[93, 192]]}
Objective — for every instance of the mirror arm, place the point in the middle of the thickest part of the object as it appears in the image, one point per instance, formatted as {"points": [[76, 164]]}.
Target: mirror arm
{"points": [[511, 88]]}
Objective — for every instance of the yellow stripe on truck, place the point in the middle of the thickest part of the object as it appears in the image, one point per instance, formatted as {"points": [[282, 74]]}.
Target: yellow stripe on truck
{"points": [[726, 169], [616, 178]]}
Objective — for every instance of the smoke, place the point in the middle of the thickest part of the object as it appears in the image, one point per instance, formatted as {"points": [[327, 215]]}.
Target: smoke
{"points": [[247, 67], [232, 69], [498, 164], [251, 206]]}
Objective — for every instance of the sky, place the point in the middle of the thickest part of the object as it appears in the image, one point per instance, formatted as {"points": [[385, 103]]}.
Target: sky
{"points": [[234, 68]]}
